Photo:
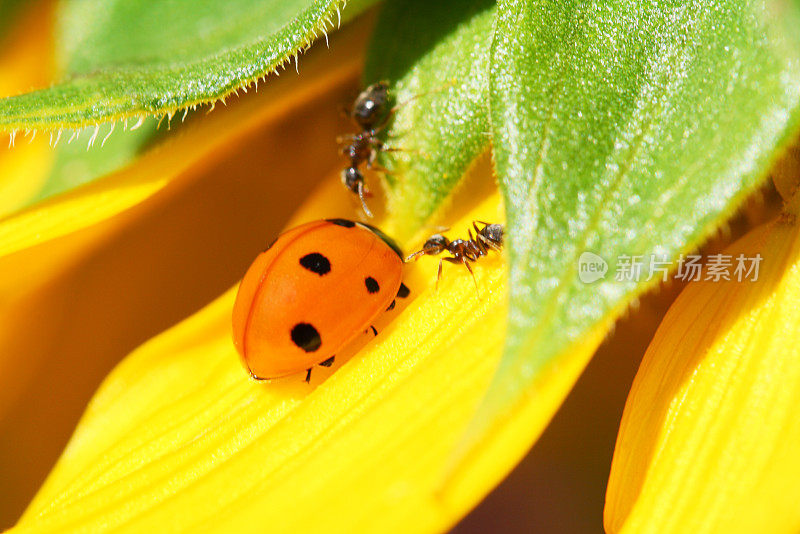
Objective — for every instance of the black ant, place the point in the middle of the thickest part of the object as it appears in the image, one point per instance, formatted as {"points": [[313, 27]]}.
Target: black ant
{"points": [[370, 113], [464, 251]]}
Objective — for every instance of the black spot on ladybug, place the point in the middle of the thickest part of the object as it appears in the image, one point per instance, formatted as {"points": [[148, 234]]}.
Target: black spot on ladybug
{"points": [[392, 305], [306, 337], [403, 292], [316, 263], [372, 284], [342, 222]]}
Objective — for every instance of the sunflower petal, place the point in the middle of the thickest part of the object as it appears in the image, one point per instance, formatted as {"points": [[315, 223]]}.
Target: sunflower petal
{"points": [[710, 433], [178, 436]]}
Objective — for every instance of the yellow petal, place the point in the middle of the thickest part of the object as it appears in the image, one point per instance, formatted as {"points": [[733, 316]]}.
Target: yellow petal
{"points": [[710, 436], [197, 146], [70, 308], [179, 437]]}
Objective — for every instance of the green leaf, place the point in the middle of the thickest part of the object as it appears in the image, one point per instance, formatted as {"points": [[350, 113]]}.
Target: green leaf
{"points": [[622, 128], [132, 58], [97, 41], [436, 54]]}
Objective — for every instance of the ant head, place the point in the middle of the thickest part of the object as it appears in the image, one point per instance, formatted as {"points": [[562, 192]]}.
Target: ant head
{"points": [[370, 107], [436, 244], [492, 233], [351, 178]]}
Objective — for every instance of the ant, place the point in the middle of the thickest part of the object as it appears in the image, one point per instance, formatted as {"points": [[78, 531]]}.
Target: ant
{"points": [[371, 115], [464, 251]]}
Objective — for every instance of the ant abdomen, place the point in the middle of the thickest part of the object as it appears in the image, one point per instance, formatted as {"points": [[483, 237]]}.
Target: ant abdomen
{"points": [[370, 108], [353, 180]]}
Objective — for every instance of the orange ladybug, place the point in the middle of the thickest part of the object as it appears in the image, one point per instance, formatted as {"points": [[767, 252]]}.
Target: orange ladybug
{"points": [[314, 290]]}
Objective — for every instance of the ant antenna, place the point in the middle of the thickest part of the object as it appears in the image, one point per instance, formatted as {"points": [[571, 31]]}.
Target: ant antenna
{"points": [[415, 255], [439, 89], [361, 193]]}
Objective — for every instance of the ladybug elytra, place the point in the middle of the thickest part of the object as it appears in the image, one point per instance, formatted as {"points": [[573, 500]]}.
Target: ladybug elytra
{"points": [[313, 291]]}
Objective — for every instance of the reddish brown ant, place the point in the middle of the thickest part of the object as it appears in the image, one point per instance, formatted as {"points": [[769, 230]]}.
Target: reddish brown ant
{"points": [[464, 251]]}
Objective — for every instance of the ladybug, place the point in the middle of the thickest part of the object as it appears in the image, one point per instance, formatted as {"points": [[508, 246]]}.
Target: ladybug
{"points": [[313, 291]]}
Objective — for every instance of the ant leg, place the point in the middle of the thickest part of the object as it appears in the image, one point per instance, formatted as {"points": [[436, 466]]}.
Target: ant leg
{"points": [[328, 362], [400, 149], [345, 138], [381, 127], [487, 243], [387, 119], [492, 245], [308, 375], [403, 292], [480, 240], [439, 274], [379, 146], [400, 105], [371, 165], [361, 194], [414, 151], [478, 243], [475, 226], [255, 376], [477, 291], [381, 169]]}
